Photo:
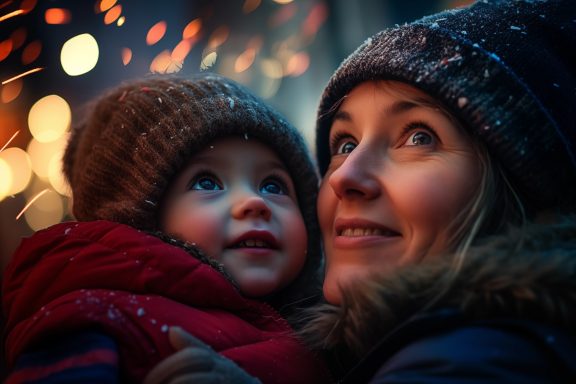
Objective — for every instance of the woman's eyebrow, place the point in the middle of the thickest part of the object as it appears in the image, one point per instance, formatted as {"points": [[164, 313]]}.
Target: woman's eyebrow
{"points": [[399, 107], [342, 115]]}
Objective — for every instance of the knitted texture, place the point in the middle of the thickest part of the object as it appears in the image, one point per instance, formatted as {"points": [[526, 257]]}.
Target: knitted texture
{"points": [[505, 69], [134, 140]]}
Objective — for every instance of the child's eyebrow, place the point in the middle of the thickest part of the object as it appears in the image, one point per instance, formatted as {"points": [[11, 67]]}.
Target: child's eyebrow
{"points": [[273, 164]]}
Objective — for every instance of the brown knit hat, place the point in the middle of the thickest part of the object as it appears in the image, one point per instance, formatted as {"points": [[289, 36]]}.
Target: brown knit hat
{"points": [[506, 69], [134, 140]]}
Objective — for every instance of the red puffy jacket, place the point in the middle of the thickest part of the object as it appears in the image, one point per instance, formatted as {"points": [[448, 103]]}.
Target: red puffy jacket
{"points": [[103, 275]]}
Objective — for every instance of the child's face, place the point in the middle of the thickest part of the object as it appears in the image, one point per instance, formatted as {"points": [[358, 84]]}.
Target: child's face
{"points": [[236, 201], [399, 175]]}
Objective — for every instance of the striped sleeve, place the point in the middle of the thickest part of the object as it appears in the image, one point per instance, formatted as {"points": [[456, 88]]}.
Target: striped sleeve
{"points": [[87, 357]]}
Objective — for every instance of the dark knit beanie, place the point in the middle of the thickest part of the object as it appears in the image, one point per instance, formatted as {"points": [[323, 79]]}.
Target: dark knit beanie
{"points": [[134, 140], [505, 69]]}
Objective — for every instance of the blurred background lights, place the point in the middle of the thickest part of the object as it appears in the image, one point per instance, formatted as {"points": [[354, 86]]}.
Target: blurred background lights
{"points": [[208, 61], [245, 60], [79, 54], [55, 175], [41, 155], [126, 56], [57, 16], [218, 37], [20, 167], [297, 64], [250, 5], [49, 118], [192, 29], [164, 63], [5, 48], [18, 38], [47, 210], [113, 14], [156, 33], [181, 50], [106, 5], [28, 5], [31, 52], [5, 178], [11, 91]]}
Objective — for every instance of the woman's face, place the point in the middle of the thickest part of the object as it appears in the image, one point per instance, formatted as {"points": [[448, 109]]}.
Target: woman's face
{"points": [[400, 173]]}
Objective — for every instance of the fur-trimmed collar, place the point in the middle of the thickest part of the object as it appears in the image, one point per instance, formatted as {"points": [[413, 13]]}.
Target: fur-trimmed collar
{"points": [[529, 273]]}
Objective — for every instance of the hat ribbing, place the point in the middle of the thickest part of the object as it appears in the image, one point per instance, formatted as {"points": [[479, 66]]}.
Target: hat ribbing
{"points": [[506, 69]]}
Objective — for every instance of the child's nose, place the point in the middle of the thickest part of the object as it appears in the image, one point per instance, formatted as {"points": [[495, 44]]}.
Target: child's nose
{"points": [[251, 207]]}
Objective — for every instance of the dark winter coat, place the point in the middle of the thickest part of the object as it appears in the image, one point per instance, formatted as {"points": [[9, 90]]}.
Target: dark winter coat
{"points": [[77, 277], [509, 316]]}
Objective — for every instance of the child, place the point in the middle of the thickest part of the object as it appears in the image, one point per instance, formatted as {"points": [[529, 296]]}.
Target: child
{"points": [[190, 193]]}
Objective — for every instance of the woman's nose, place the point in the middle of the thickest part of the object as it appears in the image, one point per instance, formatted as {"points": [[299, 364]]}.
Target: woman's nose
{"points": [[252, 206], [356, 177]]}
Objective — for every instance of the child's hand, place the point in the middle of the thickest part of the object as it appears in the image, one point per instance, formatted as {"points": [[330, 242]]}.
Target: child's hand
{"points": [[195, 362]]}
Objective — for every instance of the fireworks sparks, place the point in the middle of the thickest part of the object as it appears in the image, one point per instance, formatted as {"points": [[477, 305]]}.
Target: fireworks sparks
{"points": [[31, 202], [9, 141], [12, 14], [274, 49], [22, 75]]}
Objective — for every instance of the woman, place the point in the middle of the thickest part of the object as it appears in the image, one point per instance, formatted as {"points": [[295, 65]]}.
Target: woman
{"points": [[447, 153]]}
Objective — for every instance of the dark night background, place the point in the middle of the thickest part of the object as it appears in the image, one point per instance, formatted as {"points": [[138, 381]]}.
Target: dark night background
{"points": [[283, 50]]}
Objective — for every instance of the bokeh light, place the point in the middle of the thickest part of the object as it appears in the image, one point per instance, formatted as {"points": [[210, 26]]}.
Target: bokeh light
{"points": [[208, 61], [55, 175], [28, 5], [245, 60], [18, 38], [113, 14], [49, 118], [156, 33], [31, 52], [41, 155], [79, 54], [297, 64], [5, 178], [106, 5], [47, 210], [192, 29], [21, 169], [5, 48], [11, 91], [57, 16], [250, 5], [218, 37], [126, 56], [164, 63], [182, 50]]}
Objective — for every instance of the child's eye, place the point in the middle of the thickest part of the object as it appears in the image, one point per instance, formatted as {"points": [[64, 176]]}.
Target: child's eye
{"points": [[206, 182], [273, 186]]}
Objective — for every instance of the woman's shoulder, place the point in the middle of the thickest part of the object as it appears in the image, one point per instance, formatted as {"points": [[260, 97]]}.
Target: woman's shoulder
{"points": [[446, 348]]}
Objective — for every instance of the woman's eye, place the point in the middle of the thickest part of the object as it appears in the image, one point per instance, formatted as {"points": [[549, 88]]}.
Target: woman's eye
{"points": [[206, 183], [419, 138], [346, 146], [273, 187]]}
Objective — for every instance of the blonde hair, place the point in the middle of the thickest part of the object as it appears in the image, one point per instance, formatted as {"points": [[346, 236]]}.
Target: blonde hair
{"points": [[493, 208]]}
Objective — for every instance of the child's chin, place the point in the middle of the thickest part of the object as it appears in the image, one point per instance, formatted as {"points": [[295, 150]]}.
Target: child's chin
{"points": [[257, 285]]}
